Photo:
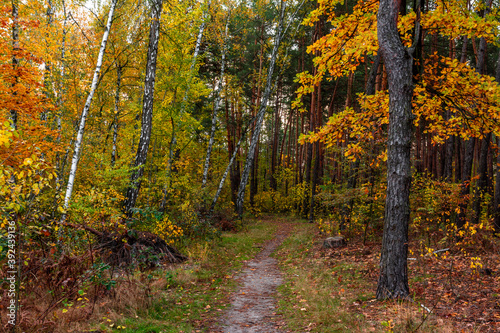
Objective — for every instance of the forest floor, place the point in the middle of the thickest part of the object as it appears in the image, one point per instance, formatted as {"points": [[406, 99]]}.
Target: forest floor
{"points": [[274, 276], [253, 305]]}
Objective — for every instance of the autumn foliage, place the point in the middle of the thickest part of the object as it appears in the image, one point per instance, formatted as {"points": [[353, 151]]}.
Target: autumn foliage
{"points": [[321, 154]]}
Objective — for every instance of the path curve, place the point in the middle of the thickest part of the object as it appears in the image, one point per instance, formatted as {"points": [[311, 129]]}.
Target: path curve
{"points": [[253, 306]]}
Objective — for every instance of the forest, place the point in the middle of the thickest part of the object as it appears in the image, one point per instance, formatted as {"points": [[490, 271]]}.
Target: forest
{"points": [[153, 151]]}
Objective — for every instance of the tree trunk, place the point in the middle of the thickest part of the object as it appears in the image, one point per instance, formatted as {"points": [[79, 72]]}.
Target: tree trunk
{"points": [[86, 108], [317, 157], [354, 166], [147, 110], [470, 144], [260, 115], [393, 280], [482, 182], [117, 112], [496, 201], [448, 155], [276, 129], [216, 108], [228, 168], [309, 156]]}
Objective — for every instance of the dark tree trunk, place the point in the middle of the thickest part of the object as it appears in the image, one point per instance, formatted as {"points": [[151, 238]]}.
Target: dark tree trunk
{"points": [[470, 144], [393, 280], [309, 156], [483, 178], [496, 201], [317, 153], [353, 175], [468, 158], [314, 181], [147, 110], [458, 160], [448, 156]]}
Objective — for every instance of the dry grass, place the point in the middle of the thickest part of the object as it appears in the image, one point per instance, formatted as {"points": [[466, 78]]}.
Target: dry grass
{"points": [[334, 291], [174, 298]]}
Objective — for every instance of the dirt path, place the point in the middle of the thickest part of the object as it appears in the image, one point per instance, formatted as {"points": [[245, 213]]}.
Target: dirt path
{"points": [[253, 306]]}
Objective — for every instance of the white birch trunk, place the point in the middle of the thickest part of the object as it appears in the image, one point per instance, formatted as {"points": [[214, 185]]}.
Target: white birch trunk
{"points": [[117, 111], [216, 108], [260, 115], [147, 110], [224, 176], [195, 54], [81, 128]]}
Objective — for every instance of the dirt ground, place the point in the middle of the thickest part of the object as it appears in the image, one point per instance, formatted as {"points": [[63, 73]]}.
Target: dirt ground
{"points": [[253, 306]]}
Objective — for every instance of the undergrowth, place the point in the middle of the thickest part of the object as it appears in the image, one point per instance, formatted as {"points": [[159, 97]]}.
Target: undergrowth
{"points": [[184, 297]]}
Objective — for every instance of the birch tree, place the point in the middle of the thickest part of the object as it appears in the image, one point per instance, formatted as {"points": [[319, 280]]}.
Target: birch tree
{"points": [[216, 106], [119, 70], [280, 32], [86, 108], [147, 110]]}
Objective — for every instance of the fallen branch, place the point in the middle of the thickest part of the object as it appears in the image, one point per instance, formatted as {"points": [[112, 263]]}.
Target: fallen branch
{"points": [[123, 248]]}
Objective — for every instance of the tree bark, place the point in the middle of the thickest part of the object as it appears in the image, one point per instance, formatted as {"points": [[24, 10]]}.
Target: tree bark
{"points": [[119, 70], [86, 108], [482, 182], [228, 168], [276, 129], [470, 144], [147, 110], [260, 115], [216, 108], [496, 200], [393, 280]]}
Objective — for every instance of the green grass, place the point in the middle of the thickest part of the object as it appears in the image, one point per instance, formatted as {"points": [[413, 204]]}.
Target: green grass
{"points": [[191, 296]]}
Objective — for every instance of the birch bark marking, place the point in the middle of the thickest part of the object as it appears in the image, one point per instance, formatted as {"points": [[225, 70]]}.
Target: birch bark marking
{"points": [[224, 176], [216, 108], [81, 128], [119, 70], [260, 115], [147, 110], [393, 280]]}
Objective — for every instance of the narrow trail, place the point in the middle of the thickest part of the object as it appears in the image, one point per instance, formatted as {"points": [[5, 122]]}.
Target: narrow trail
{"points": [[253, 306]]}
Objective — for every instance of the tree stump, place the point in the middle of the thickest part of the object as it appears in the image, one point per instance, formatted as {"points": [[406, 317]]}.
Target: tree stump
{"points": [[333, 242]]}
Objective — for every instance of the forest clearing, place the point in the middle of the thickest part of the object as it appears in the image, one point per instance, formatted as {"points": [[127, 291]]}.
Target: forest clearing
{"points": [[250, 166]]}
